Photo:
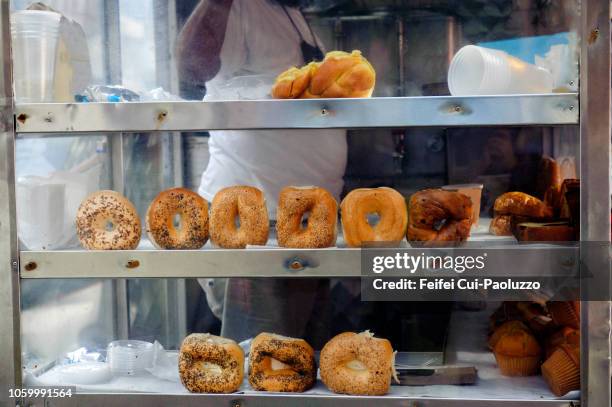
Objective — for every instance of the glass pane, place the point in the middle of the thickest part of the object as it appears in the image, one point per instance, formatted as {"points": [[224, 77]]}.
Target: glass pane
{"points": [[164, 50], [53, 176], [410, 45]]}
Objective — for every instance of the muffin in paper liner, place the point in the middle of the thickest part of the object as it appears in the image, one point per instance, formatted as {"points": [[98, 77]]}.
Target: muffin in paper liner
{"points": [[503, 329], [565, 313], [564, 336], [518, 353], [562, 370], [518, 365]]}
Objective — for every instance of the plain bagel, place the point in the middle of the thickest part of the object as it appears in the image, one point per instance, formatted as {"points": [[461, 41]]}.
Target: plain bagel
{"points": [[387, 203], [357, 363]]}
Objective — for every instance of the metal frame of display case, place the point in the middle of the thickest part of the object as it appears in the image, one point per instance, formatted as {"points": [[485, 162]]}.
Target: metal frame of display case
{"points": [[525, 110], [274, 262], [593, 116]]}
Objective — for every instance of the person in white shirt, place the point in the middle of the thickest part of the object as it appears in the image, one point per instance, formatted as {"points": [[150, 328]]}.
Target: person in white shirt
{"points": [[225, 39]]}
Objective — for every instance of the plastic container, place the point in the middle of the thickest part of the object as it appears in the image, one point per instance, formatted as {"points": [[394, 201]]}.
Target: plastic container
{"points": [[474, 192], [35, 36], [484, 71], [129, 357], [84, 373]]}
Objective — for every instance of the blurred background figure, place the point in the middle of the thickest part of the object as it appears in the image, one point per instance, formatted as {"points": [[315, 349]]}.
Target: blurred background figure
{"points": [[224, 40]]}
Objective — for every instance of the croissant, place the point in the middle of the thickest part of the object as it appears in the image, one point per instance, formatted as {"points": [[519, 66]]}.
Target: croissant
{"points": [[292, 83], [340, 75], [521, 204], [518, 206]]}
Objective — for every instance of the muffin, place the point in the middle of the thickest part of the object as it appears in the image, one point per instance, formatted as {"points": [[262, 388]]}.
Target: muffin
{"points": [[562, 370], [504, 328], [517, 353], [565, 313], [564, 336]]}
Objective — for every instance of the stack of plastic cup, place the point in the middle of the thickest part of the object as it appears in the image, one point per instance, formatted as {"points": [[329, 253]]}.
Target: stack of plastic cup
{"points": [[129, 357], [35, 36], [484, 71]]}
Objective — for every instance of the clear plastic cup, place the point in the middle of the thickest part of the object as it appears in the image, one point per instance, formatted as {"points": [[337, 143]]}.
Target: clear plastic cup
{"points": [[129, 357], [34, 35], [484, 71]]}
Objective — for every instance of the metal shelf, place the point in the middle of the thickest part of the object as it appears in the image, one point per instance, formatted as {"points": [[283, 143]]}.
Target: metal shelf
{"points": [[465, 347], [446, 111], [286, 400], [502, 261]]}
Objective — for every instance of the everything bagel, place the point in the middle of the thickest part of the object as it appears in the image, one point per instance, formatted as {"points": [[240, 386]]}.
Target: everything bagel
{"points": [[283, 364], [210, 364]]}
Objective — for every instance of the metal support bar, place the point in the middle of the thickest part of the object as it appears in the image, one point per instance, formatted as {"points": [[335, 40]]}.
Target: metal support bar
{"points": [[112, 44], [120, 289], [502, 261], [549, 109], [595, 200], [286, 400], [10, 368]]}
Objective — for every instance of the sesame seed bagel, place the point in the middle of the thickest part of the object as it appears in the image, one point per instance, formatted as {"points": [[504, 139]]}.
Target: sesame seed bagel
{"points": [[322, 210], [389, 204], [248, 204], [282, 364], [192, 210], [359, 364], [210, 364], [106, 220]]}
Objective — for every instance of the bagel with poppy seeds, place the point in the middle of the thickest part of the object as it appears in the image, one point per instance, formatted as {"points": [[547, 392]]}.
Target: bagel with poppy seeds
{"points": [[282, 364], [191, 208], [106, 220], [210, 364]]}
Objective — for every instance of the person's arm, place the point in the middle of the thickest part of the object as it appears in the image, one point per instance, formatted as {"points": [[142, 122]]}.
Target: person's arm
{"points": [[200, 42]]}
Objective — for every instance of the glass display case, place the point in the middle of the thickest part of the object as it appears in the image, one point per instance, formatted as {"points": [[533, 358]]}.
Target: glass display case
{"points": [[148, 95]]}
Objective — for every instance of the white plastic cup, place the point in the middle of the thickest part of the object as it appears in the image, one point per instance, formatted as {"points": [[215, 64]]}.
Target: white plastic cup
{"points": [[41, 211], [484, 71], [34, 35], [129, 357]]}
